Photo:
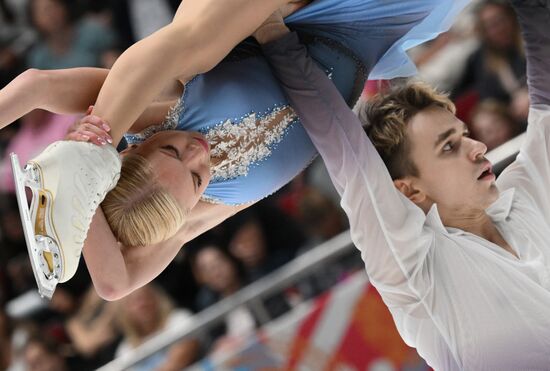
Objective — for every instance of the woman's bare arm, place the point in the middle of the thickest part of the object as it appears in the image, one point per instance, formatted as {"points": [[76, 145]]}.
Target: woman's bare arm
{"points": [[66, 91], [118, 270], [191, 44], [72, 91]]}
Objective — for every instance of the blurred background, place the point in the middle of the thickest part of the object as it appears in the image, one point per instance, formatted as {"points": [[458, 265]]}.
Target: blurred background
{"points": [[325, 317]]}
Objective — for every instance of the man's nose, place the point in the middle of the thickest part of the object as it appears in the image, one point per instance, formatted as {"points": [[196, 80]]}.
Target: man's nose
{"points": [[478, 149]]}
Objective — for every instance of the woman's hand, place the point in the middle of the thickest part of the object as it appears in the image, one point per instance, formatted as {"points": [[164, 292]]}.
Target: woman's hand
{"points": [[274, 27], [90, 129]]}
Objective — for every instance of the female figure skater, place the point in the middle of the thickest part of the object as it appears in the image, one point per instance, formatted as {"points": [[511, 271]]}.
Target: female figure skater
{"points": [[256, 140]]}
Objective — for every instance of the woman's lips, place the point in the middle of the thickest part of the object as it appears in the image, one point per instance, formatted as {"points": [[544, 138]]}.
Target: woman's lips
{"points": [[203, 143]]}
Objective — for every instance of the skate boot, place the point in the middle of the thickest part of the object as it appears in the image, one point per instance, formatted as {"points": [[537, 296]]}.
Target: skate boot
{"points": [[68, 181]]}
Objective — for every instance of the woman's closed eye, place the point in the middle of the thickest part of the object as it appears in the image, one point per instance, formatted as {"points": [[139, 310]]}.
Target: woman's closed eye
{"points": [[172, 149], [198, 179]]}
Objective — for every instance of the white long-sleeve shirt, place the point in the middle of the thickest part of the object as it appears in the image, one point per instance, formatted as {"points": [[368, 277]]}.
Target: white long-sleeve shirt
{"points": [[463, 302]]}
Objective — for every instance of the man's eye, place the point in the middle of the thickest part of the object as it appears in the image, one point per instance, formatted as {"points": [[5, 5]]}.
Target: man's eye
{"points": [[466, 134], [448, 147]]}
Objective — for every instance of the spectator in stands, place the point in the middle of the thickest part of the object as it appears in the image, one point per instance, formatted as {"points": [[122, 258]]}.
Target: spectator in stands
{"points": [[136, 19], [263, 239], [222, 275], [145, 313], [218, 272], [12, 239], [16, 273], [43, 354], [38, 129], [493, 124], [66, 40], [5, 340], [497, 68], [92, 329], [15, 38], [321, 218]]}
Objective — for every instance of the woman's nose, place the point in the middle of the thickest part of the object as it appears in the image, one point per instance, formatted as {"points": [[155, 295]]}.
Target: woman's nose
{"points": [[198, 159]]}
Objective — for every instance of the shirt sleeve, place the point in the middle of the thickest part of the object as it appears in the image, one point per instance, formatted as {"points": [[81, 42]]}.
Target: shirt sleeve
{"points": [[531, 171], [387, 227], [534, 19]]}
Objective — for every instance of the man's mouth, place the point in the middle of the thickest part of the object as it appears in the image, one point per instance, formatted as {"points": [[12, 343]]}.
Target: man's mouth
{"points": [[487, 173]]}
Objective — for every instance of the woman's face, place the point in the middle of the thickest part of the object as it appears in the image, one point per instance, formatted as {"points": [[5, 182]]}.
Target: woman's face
{"points": [[215, 270], [49, 16], [181, 162], [497, 26], [248, 244]]}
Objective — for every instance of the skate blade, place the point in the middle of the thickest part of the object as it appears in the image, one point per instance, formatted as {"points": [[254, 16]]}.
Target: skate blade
{"points": [[35, 244]]}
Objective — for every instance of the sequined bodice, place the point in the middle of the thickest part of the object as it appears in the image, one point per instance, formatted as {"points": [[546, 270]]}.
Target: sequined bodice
{"points": [[236, 146]]}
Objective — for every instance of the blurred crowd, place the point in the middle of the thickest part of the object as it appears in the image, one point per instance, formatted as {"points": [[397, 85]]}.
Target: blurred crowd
{"points": [[480, 62]]}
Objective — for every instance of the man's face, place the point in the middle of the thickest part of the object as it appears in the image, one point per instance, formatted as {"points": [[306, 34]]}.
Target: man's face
{"points": [[453, 171]]}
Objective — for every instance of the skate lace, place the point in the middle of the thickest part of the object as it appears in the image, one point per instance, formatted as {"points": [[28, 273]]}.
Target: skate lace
{"points": [[97, 174]]}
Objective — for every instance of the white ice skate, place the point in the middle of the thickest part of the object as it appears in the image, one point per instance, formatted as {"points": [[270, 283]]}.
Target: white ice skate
{"points": [[68, 181]]}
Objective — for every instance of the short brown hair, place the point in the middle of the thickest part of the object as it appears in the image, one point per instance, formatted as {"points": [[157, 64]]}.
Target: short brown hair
{"points": [[386, 115], [139, 210]]}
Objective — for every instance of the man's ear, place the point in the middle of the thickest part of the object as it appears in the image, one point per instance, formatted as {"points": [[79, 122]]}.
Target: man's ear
{"points": [[408, 187]]}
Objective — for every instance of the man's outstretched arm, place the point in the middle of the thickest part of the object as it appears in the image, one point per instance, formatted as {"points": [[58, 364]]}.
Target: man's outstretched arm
{"points": [[531, 172], [385, 226], [534, 19]]}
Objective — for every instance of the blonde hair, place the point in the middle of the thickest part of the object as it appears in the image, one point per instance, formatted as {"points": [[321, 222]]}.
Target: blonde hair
{"points": [[386, 115], [139, 210]]}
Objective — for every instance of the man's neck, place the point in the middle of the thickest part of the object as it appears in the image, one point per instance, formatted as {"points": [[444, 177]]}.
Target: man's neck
{"points": [[480, 224]]}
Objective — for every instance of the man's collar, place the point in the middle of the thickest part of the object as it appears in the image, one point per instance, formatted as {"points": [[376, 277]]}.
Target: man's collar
{"points": [[434, 220]]}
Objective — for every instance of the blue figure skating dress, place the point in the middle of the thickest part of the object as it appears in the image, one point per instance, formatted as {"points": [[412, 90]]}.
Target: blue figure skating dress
{"points": [[258, 144]]}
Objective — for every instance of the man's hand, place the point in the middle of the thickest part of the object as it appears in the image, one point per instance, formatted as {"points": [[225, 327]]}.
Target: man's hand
{"points": [[90, 129], [274, 27]]}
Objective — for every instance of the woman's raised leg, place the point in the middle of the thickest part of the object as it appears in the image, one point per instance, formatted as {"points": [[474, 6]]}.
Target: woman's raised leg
{"points": [[202, 33]]}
